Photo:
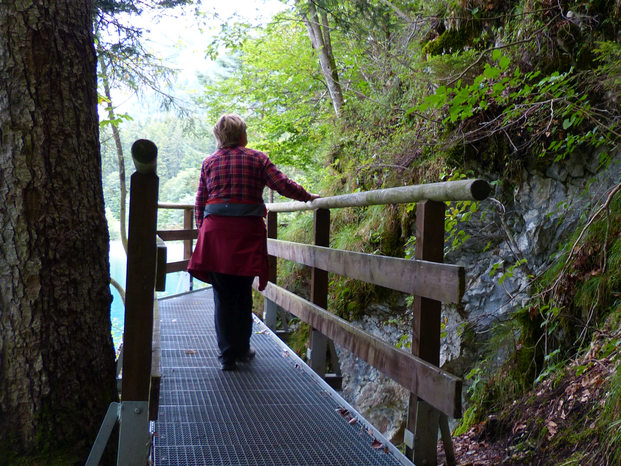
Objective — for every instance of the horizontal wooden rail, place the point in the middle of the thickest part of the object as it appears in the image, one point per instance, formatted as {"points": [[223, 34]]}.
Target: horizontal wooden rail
{"points": [[437, 387], [178, 266], [173, 205], [160, 268], [463, 190], [177, 235], [442, 282]]}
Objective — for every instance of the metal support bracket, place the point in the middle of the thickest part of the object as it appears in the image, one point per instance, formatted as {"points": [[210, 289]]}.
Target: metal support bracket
{"points": [[408, 439], [112, 415], [270, 314], [134, 435]]}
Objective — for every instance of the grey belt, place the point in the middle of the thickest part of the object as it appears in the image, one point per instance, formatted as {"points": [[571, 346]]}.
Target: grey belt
{"points": [[235, 210]]}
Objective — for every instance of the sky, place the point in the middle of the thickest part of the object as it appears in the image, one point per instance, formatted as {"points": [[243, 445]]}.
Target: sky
{"points": [[180, 39]]}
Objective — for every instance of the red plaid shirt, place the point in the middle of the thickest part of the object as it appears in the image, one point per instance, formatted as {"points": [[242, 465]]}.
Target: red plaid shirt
{"points": [[238, 175]]}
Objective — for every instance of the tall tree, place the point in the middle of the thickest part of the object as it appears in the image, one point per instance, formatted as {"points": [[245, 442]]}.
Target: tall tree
{"points": [[125, 63], [113, 119], [57, 372], [318, 28], [271, 76]]}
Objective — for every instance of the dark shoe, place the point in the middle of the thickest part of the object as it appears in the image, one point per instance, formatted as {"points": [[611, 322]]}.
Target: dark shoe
{"points": [[228, 365], [249, 356]]}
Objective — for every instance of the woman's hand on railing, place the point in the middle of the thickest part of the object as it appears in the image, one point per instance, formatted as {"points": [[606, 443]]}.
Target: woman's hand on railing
{"points": [[313, 197]]}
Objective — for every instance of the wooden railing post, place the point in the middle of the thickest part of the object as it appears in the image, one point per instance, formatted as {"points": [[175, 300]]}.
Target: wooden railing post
{"points": [[421, 434], [141, 262], [320, 345], [139, 384], [134, 436], [188, 223], [270, 309]]}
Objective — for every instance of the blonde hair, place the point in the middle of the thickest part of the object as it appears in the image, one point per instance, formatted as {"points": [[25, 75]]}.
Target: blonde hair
{"points": [[230, 130]]}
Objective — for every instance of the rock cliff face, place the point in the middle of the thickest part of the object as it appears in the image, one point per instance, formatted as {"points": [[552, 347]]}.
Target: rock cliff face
{"points": [[524, 219]]}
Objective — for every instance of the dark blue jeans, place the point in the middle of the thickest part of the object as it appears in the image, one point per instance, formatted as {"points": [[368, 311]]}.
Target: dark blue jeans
{"points": [[232, 296]]}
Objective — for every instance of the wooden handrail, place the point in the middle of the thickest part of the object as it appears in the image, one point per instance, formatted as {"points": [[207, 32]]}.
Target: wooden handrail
{"points": [[464, 190], [177, 266], [174, 205], [177, 235], [443, 282], [441, 389], [141, 334]]}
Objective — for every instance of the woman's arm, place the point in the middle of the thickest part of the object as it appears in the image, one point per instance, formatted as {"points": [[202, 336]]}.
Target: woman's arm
{"points": [[201, 199], [278, 181]]}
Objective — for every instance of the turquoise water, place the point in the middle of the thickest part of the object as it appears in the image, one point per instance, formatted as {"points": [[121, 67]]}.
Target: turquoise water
{"points": [[177, 282]]}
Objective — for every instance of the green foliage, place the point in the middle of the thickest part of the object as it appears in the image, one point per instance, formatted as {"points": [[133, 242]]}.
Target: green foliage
{"points": [[451, 40], [119, 118], [552, 110], [298, 340], [506, 371], [273, 84], [296, 227], [349, 297], [510, 270], [457, 213], [123, 59], [580, 290], [181, 151], [611, 421], [552, 364]]}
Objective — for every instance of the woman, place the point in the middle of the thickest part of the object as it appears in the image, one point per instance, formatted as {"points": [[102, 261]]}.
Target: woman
{"points": [[232, 246]]}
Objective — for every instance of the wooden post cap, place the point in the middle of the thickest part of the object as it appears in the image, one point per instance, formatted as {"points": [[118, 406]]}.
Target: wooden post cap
{"points": [[144, 153], [480, 189]]}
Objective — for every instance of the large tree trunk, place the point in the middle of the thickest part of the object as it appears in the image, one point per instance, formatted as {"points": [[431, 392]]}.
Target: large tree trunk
{"points": [[319, 34], [56, 353]]}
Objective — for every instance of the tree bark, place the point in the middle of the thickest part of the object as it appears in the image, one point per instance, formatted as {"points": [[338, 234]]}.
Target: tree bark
{"points": [[57, 372], [319, 33]]}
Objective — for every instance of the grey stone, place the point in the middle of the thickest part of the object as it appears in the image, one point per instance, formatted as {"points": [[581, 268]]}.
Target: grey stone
{"points": [[535, 216]]}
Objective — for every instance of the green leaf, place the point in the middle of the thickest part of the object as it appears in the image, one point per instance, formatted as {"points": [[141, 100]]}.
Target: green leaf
{"points": [[580, 370], [497, 88], [504, 62], [491, 72]]}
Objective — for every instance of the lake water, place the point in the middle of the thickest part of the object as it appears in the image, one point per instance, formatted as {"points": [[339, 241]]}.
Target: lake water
{"points": [[176, 283]]}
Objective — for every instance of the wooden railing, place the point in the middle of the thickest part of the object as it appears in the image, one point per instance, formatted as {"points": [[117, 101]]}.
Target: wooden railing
{"points": [[434, 393], [141, 351], [187, 235]]}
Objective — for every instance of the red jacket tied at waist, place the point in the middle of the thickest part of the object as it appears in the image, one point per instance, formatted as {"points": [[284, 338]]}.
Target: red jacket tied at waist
{"points": [[231, 245]]}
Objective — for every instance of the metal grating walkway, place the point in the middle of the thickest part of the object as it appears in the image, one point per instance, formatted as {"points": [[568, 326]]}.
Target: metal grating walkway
{"points": [[272, 411]]}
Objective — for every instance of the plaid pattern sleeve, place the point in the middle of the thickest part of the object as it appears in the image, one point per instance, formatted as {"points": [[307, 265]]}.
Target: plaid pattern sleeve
{"points": [[239, 174], [201, 199], [279, 182]]}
